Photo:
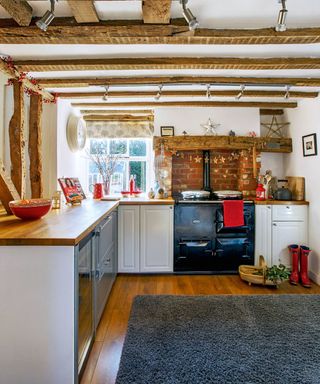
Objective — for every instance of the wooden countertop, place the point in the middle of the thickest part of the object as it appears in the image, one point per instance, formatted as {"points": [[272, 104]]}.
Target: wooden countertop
{"points": [[65, 226], [140, 200], [281, 202]]}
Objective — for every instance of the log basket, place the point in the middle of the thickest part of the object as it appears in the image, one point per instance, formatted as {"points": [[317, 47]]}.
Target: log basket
{"points": [[255, 274]]}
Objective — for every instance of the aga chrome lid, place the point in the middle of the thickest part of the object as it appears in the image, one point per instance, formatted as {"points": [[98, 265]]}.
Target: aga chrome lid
{"points": [[195, 194]]}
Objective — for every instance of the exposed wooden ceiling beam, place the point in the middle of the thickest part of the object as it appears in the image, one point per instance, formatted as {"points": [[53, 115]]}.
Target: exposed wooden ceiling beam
{"points": [[156, 80], [14, 74], [186, 93], [84, 11], [156, 12], [97, 117], [136, 112], [241, 104], [19, 10], [272, 112], [152, 63], [65, 31]]}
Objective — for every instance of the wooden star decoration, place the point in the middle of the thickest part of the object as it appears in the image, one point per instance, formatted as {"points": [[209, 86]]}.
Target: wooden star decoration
{"points": [[197, 159], [210, 127], [274, 129], [215, 160], [222, 159]]}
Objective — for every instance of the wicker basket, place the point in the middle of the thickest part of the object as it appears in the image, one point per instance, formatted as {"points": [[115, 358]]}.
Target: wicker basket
{"points": [[249, 273]]}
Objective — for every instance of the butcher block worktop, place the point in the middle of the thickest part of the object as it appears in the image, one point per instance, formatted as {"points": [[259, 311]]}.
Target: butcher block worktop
{"points": [[65, 226], [281, 202]]}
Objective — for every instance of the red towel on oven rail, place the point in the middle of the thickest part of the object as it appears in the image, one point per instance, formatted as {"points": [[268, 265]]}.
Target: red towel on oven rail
{"points": [[233, 213]]}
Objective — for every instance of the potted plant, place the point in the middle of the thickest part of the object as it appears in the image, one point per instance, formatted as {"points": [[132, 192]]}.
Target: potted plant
{"points": [[277, 274], [105, 163]]}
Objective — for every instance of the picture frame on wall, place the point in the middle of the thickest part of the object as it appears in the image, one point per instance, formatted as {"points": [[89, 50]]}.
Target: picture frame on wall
{"points": [[309, 145], [167, 131]]}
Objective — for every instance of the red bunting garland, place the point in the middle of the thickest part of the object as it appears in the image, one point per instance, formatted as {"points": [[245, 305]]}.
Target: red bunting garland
{"points": [[23, 76]]}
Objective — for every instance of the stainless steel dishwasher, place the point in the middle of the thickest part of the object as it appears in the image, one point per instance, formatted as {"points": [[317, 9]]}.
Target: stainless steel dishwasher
{"points": [[105, 262]]}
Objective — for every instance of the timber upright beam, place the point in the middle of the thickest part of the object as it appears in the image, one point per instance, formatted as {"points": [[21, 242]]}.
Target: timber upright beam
{"points": [[17, 140], [35, 143]]}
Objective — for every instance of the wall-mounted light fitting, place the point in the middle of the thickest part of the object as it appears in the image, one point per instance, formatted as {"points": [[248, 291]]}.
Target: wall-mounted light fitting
{"points": [[189, 16], [158, 95], [47, 18], [106, 94], [208, 93], [240, 94], [287, 94], [281, 24]]}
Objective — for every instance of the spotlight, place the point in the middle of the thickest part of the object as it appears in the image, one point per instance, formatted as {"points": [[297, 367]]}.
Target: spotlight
{"points": [[188, 15], [240, 94], [47, 18], [106, 94], [281, 24], [158, 95], [208, 93], [287, 94]]}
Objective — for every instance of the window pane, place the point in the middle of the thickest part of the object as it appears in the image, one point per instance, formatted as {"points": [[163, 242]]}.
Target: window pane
{"points": [[119, 178], [118, 147], [138, 169], [98, 146], [137, 148]]}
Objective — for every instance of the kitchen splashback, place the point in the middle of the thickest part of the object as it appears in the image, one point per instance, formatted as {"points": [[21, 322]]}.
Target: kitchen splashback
{"points": [[229, 169]]}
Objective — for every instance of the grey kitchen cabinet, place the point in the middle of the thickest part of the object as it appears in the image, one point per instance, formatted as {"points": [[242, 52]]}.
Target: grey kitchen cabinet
{"points": [[105, 262]]}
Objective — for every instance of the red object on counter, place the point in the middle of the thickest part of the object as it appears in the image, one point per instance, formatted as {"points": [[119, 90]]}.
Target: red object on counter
{"points": [[97, 191], [32, 209], [233, 213], [260, 192], [132, 185]]}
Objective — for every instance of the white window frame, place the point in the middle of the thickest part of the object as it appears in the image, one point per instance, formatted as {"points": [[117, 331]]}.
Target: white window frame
{"points": [[149, 159]]}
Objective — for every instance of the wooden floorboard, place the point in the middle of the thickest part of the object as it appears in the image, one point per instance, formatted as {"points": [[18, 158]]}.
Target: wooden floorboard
{"points": [[105, 356]]}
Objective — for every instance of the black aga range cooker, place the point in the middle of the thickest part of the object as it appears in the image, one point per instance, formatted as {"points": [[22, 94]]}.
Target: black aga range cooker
{"points": [[202, 243]]}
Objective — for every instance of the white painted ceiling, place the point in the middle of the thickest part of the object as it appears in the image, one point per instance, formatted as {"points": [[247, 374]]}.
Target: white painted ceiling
{"points": [[210, 13]]}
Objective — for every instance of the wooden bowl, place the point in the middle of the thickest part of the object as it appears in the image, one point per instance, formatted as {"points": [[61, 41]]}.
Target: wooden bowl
{"points": [[32, 209]]}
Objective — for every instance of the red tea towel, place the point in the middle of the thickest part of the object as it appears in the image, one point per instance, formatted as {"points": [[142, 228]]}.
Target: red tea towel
{"points": [[233, 213]]}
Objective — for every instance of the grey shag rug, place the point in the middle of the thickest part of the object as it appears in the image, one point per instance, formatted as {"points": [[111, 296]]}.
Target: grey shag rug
{"points": [[273, 339]]}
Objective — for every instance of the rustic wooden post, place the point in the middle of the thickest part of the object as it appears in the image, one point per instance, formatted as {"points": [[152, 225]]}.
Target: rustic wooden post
{"points": [[35, 142], [17, 140], [8, 191]]}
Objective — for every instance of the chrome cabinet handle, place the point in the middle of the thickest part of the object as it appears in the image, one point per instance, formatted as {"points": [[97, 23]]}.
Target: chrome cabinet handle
{"points": [[274, 224], [268, 206], [287, 207]]}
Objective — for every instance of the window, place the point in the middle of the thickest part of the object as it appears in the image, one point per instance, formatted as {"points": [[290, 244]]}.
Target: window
{"points": [[134, 158]]}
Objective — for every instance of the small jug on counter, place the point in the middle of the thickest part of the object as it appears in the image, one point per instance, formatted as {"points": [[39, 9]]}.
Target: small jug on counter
{"points": [[97, 190]]}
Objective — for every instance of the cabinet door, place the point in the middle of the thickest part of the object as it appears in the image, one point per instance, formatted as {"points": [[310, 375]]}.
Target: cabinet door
{"points": [[156, 245], [284, 234], [128, 238], [263, 233]]}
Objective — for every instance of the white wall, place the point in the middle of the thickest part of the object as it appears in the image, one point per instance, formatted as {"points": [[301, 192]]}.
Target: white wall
{"points": [[70, 164], [305, 120], [240, 120]]}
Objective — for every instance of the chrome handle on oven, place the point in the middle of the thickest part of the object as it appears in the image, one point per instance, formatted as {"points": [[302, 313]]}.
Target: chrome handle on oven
{"points": [[194, 243]]}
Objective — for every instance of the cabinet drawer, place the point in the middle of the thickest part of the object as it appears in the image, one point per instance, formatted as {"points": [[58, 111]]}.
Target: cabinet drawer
{"points": [[289, 212]]}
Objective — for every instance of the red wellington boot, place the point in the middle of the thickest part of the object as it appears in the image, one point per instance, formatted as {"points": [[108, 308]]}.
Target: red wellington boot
{"points": [[294, 250], [304, 253]]}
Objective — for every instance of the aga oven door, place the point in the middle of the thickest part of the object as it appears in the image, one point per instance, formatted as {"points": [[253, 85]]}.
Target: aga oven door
{"points": [[232, 252], [244, 230], [193, 255]]}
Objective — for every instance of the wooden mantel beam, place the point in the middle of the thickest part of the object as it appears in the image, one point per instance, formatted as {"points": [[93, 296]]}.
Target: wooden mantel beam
{"points": [[228, 104], [156, 63], [157, 80], [84, 11], [19, 10], [66, 31], [156, 12], [14, 74]]}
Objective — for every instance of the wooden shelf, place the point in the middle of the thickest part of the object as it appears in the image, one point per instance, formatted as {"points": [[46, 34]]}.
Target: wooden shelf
{"points": [[185, 143]]}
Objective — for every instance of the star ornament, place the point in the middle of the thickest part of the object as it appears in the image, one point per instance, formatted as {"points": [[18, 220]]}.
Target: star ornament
{"points": [[274, 129], [210, 128]]}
